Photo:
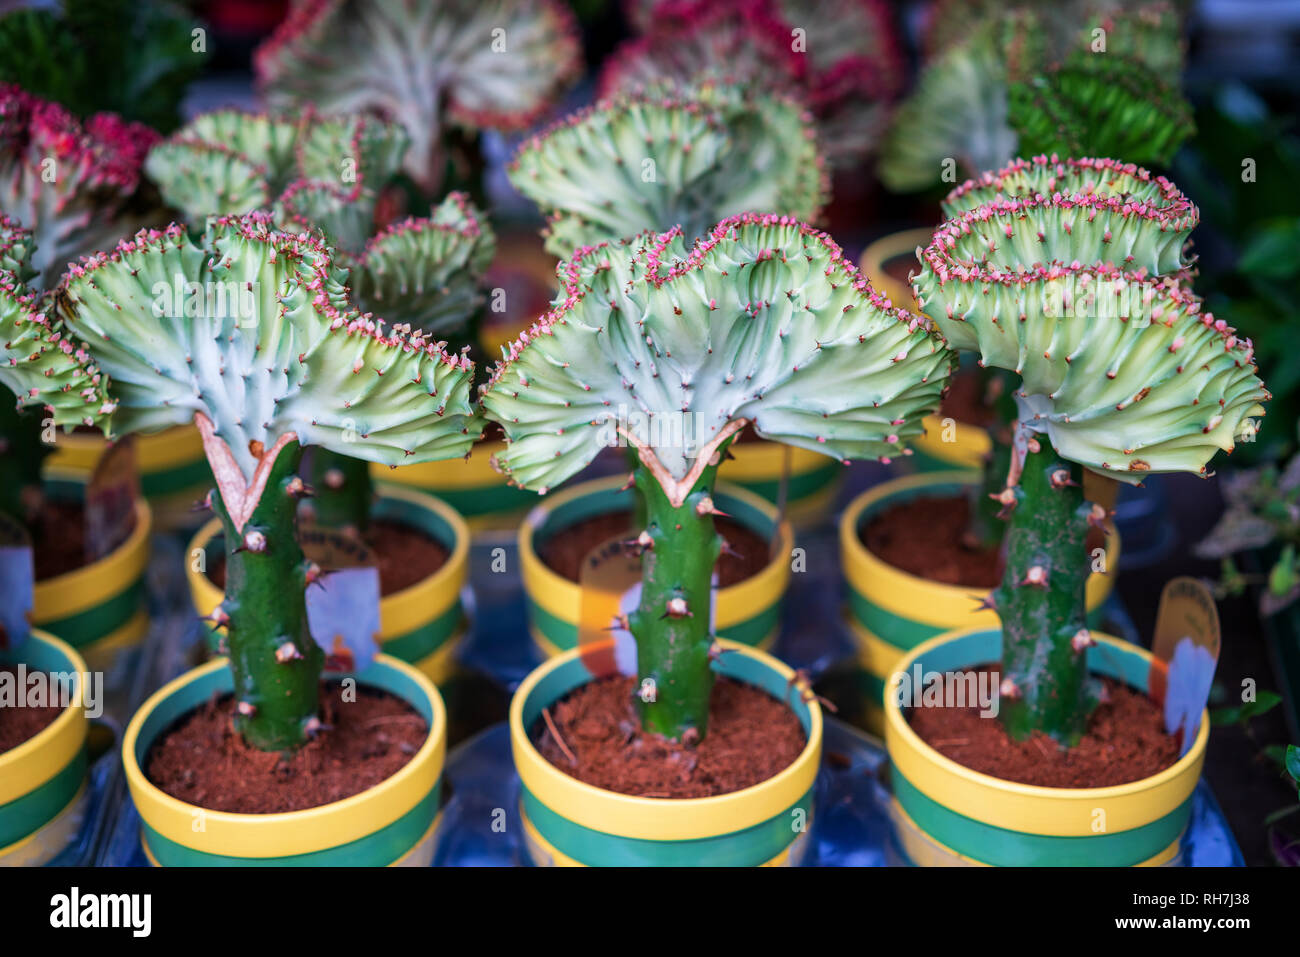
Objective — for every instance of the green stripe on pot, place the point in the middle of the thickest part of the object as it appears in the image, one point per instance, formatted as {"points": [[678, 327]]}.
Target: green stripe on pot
{"points": [[747, 848], [1004, 848], [38, 807], [383, 847], [191, 476], [485, 500], [82, 629], [428, 638]]}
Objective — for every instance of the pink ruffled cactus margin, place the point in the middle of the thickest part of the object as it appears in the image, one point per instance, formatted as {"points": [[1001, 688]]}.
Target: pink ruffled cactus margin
{"points": [[474, 64], [63, 178], [841, 58]]}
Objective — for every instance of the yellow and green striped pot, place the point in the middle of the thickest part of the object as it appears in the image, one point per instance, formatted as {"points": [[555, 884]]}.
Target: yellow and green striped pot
{"points": [[748, 612], [43, 780], [569, 823], [173, 471], [390, 824], [421, 625], [947, 813], [99, 608], [814, 480], [471, 486], [890, 611]]}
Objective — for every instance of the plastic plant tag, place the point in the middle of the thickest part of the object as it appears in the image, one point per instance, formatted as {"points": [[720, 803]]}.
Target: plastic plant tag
{"points": [[343, 606], [1185, 650], [111, 494], [17, 583], [610, 582]]}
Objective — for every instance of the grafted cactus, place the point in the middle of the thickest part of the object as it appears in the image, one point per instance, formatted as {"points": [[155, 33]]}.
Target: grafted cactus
{"points": [[248, 333], [1071, 275], [761, 323], [62, 178], [840, 58], [690, 156], [461, 63], [40, 365]]}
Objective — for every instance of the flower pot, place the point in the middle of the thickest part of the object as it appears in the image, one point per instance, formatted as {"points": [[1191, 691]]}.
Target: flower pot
{"points": [[567, 822], [757, 465], [890, 611], [43, 780], [748, 612], [471, 486], [948, 814], [392, 823], [173, 471], [421, 625], [98, 608], [878, 257]]}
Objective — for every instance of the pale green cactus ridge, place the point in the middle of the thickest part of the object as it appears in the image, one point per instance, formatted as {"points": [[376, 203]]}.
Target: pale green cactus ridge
{"points": [[1119, 364], [427, 272], [689, 155], [763, 320], [252, 327], [39, 362], [341, 149], [958, 112], [344, 216]]}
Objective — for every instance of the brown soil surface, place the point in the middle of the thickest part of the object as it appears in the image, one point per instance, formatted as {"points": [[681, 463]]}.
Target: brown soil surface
{"points": [[202, 761], [751, 737], [925, 537], [404, 556], [965, 401], [564, 551], [1125, 741], [22, 724]]}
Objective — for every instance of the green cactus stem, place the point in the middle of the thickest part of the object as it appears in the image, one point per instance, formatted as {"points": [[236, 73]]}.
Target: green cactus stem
{"points": [[342, 491], [674, 350], [1045, 684], [275, 662], [672, 621]]}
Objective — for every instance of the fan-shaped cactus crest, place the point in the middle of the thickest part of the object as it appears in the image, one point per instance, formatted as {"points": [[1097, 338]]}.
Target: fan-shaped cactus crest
{"points": [[463, 63], [673, 351], [685, 155]]}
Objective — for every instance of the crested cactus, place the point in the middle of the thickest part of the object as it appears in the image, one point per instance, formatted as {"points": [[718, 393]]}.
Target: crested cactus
{"points": [[248, 333], [326, 173], [672, 352], [840, 58], [40, 365], [468, 64], [1100, 106], [1072, 276], [1030, 77], [690, 156], [63, 178]]}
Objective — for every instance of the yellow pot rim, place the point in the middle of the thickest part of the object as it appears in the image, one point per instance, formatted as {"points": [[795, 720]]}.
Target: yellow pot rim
{"points": [[90, 585], [154, 451], [563, 598], [889, 247], [400, 611], [972, 442], [46, 753], [471, 472], [919, 599], [762, 457], [1025, 807], [661, 819], [229, 834]]}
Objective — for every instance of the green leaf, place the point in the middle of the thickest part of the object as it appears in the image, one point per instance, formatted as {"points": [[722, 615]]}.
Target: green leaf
{"points": [[1293, 763], [1264, 702], [1274, 252]]}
